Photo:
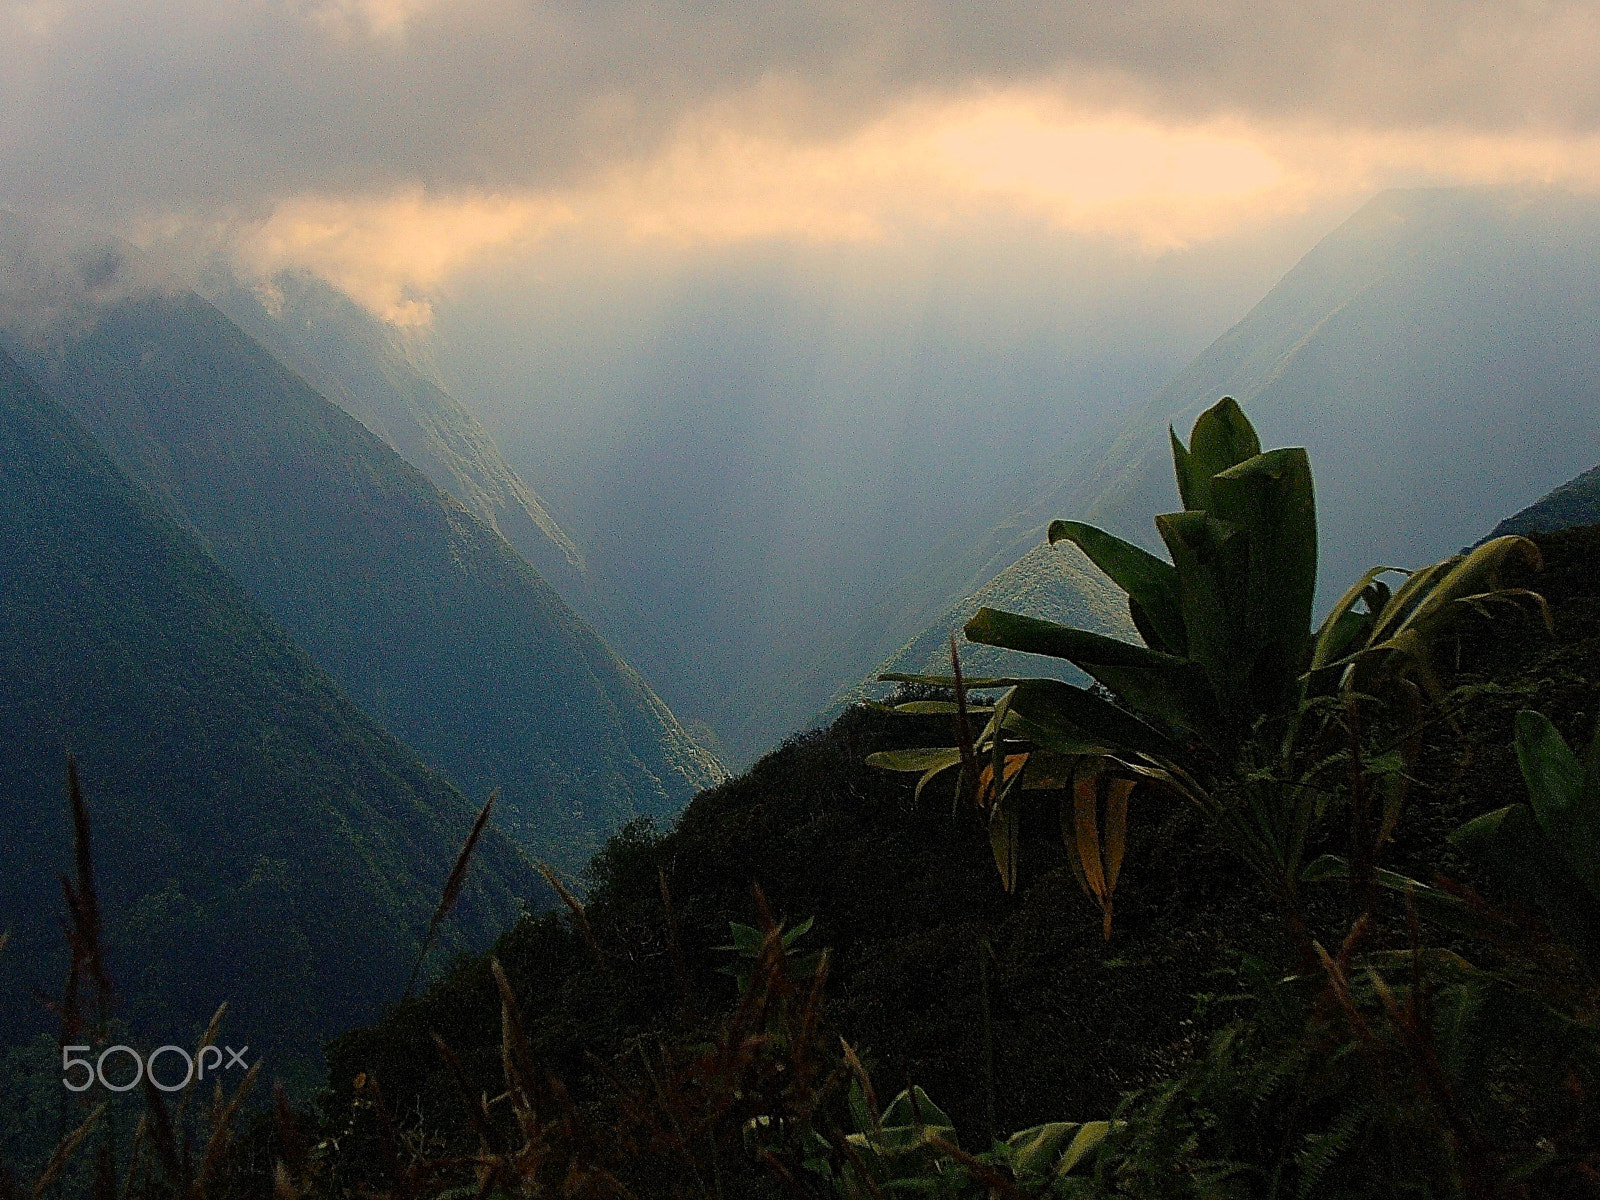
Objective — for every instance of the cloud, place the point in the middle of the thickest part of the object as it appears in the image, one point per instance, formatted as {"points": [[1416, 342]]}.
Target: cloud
{"points": [[203, 102], [390, 253], [932, 168], [388, 143]]}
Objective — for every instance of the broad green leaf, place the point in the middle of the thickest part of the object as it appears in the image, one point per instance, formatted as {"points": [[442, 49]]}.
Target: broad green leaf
{"points": [[1520, 860], [1073, 712], [1334, 634], [798, 932], [938, 708], [948, 681], [1222, 437], [1180, 696], [1271, 498], [1411, 593], [1187, 492], [919, 760], [1035, 1151], [1555, 778], [1090, 1134], [1150, 582], [1429, 597], [1031, 635], [1161, 685], [1213, 564]]}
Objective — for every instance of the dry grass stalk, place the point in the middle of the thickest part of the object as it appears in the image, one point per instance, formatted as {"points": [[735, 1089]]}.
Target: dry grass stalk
{"points": [[964, 740], [290, 1173], [453, 884], [574, 907], [63, 1152]]}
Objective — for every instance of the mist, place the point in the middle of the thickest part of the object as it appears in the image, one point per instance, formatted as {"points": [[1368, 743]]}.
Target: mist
{"points": [[755, 444]]}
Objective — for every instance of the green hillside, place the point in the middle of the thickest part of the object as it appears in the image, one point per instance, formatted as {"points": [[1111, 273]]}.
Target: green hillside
{"points": [[257, 839], [1009, 1009], [1438, 354], [427, 618], [1576, 502], [1054, 583], [372, 372]]}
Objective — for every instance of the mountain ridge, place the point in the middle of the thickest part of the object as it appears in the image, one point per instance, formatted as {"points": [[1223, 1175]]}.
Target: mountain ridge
{"points": [[371, 371], [429, 620], [1416, 454], [255, 835]]}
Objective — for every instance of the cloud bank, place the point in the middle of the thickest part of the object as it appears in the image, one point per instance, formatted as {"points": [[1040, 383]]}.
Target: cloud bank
{"points": [[389, 143]]}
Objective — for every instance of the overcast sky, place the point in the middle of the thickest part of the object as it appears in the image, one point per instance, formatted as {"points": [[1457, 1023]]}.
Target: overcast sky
{"points": [[392, 144]]}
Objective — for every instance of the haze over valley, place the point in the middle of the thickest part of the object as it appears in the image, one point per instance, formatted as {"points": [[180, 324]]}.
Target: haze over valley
{"points": [[408, 403]]}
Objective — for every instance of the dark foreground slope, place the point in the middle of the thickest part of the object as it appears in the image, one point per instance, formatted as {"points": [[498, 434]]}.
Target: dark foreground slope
{"points": [[426, 617], [906, 897], [258, 840]]}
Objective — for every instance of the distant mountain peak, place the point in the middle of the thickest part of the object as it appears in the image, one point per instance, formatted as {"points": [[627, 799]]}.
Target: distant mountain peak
{"points": [[385, 377], [1574, 503], [425, 616]]}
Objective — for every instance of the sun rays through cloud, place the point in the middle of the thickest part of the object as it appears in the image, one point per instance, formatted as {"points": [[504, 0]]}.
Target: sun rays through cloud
{"points": [[927, 168]]}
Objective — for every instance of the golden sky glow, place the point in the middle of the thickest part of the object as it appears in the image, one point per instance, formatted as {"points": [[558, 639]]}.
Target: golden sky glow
{"points": [[388, 254], [1157, 187]]}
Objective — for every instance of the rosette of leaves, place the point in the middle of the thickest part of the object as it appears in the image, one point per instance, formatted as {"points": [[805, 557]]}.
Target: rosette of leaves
{"points": [[748, 943], [1231, 699], [1545, 854], [1541, 857]]}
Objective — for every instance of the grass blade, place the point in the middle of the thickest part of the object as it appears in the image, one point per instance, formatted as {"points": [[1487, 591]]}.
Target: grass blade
{"points": [[453, 884]]}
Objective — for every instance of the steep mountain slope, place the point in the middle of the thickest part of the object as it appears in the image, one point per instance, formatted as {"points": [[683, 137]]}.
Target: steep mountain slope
{"points": [[1439, 355], [426, 617], [936, 974], [1574, 503], [373, 373], [1057, 583], [258, 840]]}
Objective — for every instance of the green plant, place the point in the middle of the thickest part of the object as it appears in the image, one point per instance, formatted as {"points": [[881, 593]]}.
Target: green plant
{"points": [[1542, 856], [1545, 854], [749, 942], [1234, 701], [911, 1148]]}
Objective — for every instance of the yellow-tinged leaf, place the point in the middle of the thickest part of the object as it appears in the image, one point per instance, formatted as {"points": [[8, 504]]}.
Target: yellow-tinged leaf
{"points": [[1003, 841], [1014, 763], [1085, 799], [1117, 793]]}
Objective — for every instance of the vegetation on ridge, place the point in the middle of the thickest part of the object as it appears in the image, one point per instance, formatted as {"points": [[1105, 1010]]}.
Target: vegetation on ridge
{"points": [[1414, 1028], [257, 834], [424, 616]]}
